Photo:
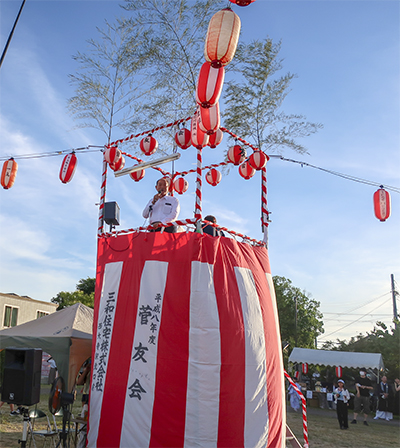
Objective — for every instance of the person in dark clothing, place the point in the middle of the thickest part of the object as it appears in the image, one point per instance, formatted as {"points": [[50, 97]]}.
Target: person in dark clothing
{"points": [[361, 400], [385, 400], [211, 230]]}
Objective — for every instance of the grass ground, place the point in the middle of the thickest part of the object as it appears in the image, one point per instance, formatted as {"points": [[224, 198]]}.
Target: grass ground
{"points": [[322, 426]]}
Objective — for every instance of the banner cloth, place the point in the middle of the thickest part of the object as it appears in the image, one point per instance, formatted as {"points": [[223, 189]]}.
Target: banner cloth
{"points": [[186, 344]]}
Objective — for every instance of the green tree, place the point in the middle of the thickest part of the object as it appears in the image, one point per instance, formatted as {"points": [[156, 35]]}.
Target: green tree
{"points": [[309, 318], [255, 96], [380, 340], [108, 84], [84, 294]]}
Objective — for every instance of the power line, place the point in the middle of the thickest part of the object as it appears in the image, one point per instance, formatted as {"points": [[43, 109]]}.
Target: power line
{"points": [[41, 155], [353, 322], [344, 176]]}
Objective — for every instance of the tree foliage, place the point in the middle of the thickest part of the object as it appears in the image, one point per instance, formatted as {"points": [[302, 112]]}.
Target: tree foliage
{"points": [[255, 96], [379, 340], [309, 318], [109, 83], [143, 72], [84, 294]]}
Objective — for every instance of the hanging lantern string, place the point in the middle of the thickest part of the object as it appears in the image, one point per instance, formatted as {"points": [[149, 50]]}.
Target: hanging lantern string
{"points": [[84, 149], [254, 148], [131, 137], [344, 176]]}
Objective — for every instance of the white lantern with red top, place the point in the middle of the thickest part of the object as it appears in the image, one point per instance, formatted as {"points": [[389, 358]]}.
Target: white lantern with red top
{"points": [[8, 173], [222, 37], [137, 175], [181, 185], [246, 170], [209, 120], [236, 154], [242, 2], [209, 85], [112, 154], [338, 371], [258, 160], [199, 137], [183, 138], [117, 166], [213, 177], [382, 204], [68, 167], [304, 368], [149, 145], [215, 138]]}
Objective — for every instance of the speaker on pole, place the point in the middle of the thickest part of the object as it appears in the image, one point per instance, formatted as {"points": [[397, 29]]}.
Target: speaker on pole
{"points": [[22, 375]]}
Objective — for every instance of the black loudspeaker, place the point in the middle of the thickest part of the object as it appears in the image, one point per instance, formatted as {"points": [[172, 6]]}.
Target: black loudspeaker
{"points": [[22, 375]]}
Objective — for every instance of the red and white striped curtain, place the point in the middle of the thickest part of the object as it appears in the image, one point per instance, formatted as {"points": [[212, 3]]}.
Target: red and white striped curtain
{"points": [[186, 348]]}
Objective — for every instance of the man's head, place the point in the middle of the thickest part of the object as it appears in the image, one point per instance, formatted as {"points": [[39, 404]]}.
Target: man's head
{"points": [[340, 382], [363, 372], [162, 185], [211, 218], [384, 379]]}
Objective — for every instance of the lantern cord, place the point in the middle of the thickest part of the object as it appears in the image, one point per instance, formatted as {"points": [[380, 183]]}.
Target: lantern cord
{"points": [[344, 176], [41, 155]]}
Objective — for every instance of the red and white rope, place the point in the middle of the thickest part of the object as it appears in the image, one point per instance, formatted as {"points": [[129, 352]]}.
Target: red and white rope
{"points": [[254, 148], [304, 408], [151, 131]]}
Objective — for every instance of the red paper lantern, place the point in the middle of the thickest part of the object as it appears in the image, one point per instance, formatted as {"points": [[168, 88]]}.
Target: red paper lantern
{"points": [[209, 85], [222, 37], [215, 138], [112, 155], [242, 2], [338, 370], [236, 154], [183, 138], [382, 204], [68, 168], [199, 138], [149, 145], [8, 173], [137, 175], [209, 120], [258, 160], [180, 185], [246, 170], [304, 367], [213, 177], [118, 165], [297, 374]]}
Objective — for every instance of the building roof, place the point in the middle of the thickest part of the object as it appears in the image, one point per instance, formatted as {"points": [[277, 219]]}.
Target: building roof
{"points": [[12, 295]]}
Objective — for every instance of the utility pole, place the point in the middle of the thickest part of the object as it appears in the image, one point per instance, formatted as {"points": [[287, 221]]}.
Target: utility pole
{"points": [[295, 321], [394, 294]]}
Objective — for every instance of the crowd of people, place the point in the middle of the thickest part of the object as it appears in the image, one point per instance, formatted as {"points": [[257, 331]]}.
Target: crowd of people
{"points": [[386, 395]]}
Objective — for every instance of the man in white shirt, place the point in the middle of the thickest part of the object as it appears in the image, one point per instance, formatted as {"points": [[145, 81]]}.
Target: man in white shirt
{"points": [[162, 208]]}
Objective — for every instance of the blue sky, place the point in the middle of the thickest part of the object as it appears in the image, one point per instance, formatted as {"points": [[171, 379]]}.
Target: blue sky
{"points": [[323, 235]]}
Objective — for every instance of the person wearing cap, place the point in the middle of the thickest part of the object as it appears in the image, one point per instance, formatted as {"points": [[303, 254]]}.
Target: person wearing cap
{"points": [[162, 208], [342, 397], [361, 400]]}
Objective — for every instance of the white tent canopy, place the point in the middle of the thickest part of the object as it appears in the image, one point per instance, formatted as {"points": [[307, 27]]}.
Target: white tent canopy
{"points": [[65, 334], [337, 358]]}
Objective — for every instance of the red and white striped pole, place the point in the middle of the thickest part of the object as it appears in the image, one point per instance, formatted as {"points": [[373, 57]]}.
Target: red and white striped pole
{"points": [[264, 210], [197, 213], [304, 408], [100, 229]]}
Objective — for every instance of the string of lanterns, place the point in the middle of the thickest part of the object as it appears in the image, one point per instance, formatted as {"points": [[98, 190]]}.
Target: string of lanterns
{"points": [[219, 49]]}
